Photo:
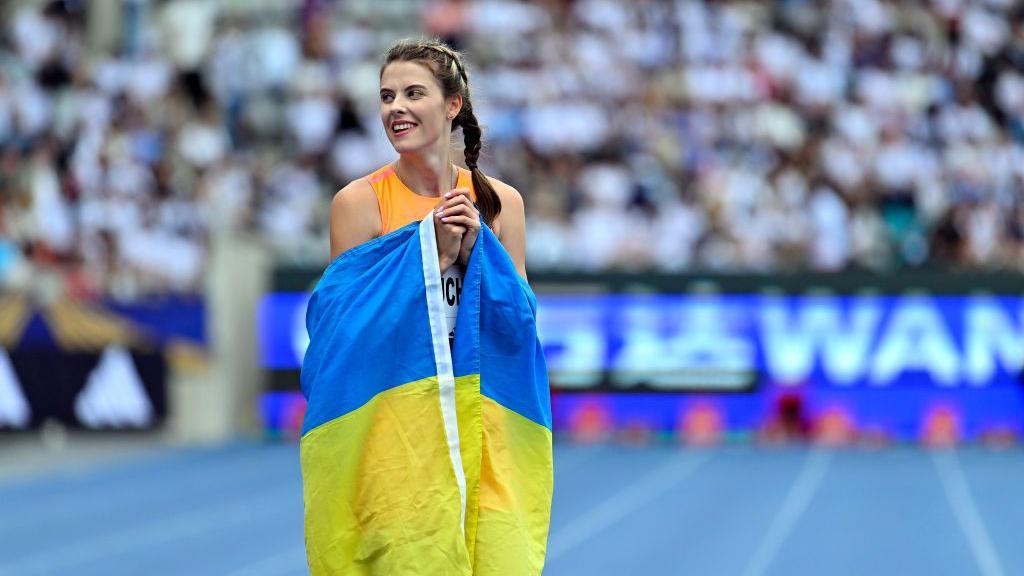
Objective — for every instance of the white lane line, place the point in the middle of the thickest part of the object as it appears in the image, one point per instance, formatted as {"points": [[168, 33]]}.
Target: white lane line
{"points": [[793, 507], [290, 561], [958, 493], [621, 504], [158, 531]]}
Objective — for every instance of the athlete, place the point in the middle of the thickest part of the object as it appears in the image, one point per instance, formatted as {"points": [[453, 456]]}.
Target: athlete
{"points": [[424, 96]]}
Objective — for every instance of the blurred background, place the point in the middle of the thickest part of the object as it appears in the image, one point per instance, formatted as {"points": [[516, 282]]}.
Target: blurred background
{"points": [[777, 246]]}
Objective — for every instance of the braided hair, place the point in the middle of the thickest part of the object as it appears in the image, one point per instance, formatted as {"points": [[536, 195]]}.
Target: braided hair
{"points": [[450, 72]]}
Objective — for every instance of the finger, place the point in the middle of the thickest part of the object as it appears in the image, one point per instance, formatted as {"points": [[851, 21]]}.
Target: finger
{"points": [[466, 221], [471, 220], [454, 229], [457, 192], [463, 209], [439, 215], [456, 201], [448, 208]]}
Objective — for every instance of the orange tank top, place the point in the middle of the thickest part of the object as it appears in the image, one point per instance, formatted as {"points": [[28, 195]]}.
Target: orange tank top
{"points": [[399, 205]]}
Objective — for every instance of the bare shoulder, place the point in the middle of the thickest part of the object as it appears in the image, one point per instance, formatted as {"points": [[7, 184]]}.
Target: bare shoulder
{"points": [[513, 213], [507, 194], [355, 194], [355, 216], [510, 225]]}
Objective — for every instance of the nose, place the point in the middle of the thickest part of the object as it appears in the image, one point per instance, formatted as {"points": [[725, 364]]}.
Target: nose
{"points": [[396, 106]]}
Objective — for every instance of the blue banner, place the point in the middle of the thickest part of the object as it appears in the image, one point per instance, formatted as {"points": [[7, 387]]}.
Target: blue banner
{"points": [[894, 364], [671, 342], [682, 342], [281, 328]]}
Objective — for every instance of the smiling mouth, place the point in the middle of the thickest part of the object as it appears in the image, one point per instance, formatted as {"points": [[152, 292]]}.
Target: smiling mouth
{"points": [[401, 128]]}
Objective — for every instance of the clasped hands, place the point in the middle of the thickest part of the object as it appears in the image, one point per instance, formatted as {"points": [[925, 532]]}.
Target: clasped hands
{"points": [[456, 226]]}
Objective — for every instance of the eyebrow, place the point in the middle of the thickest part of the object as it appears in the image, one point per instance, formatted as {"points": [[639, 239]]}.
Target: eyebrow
{"points": [[383, 90]]}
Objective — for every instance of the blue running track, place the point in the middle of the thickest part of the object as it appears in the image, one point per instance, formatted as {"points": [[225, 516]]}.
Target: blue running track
{"points": [[619, 511]]}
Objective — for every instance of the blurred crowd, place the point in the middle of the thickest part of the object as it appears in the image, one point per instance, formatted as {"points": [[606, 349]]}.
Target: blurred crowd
{"points": [[668, 135]]}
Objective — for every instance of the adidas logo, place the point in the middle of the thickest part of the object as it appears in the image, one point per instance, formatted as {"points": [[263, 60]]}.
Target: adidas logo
{"points": [[14, 410], [114, 396]]}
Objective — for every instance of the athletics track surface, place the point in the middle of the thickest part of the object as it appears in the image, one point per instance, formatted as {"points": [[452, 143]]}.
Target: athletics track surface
{"points": [[736, 510]]}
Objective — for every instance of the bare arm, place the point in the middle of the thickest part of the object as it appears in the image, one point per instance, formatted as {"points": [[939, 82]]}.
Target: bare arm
{"points": [[355, 217], [511, 224]]}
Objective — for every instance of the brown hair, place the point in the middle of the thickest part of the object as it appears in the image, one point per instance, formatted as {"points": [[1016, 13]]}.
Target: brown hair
{"points": [[450, 72]]}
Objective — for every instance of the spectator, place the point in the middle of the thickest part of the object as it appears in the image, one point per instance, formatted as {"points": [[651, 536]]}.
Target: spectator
{"points": [[665, 135]]}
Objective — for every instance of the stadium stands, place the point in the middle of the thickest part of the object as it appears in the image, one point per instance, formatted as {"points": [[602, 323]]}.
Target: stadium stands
{"points": [[655, 135]]}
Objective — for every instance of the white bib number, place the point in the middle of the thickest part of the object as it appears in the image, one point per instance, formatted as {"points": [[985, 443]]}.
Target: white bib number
{"points": [[451, 293]]}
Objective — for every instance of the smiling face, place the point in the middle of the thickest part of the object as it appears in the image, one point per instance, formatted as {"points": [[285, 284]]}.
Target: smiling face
{"points": [[415, 112]]}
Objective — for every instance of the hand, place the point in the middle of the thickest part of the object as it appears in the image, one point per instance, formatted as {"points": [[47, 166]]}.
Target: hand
{"points": [[457, 209], [449, 241]]}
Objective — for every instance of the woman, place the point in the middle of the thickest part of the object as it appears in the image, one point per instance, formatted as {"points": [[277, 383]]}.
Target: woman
{"points": [[424, 95], [426, 451]]}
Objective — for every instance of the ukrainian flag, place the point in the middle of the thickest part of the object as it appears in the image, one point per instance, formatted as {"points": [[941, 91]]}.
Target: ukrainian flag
{"points": [[418, 458]]}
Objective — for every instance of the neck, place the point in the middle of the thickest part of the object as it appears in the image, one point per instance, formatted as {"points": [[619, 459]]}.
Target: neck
{"points": [[426, 174]]}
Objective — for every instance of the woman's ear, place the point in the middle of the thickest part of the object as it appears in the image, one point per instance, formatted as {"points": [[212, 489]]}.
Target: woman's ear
{"points": [[454, 106]]}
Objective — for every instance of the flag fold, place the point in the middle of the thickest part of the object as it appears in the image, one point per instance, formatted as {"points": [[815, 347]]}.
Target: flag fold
{"points": [[417, 457]]}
